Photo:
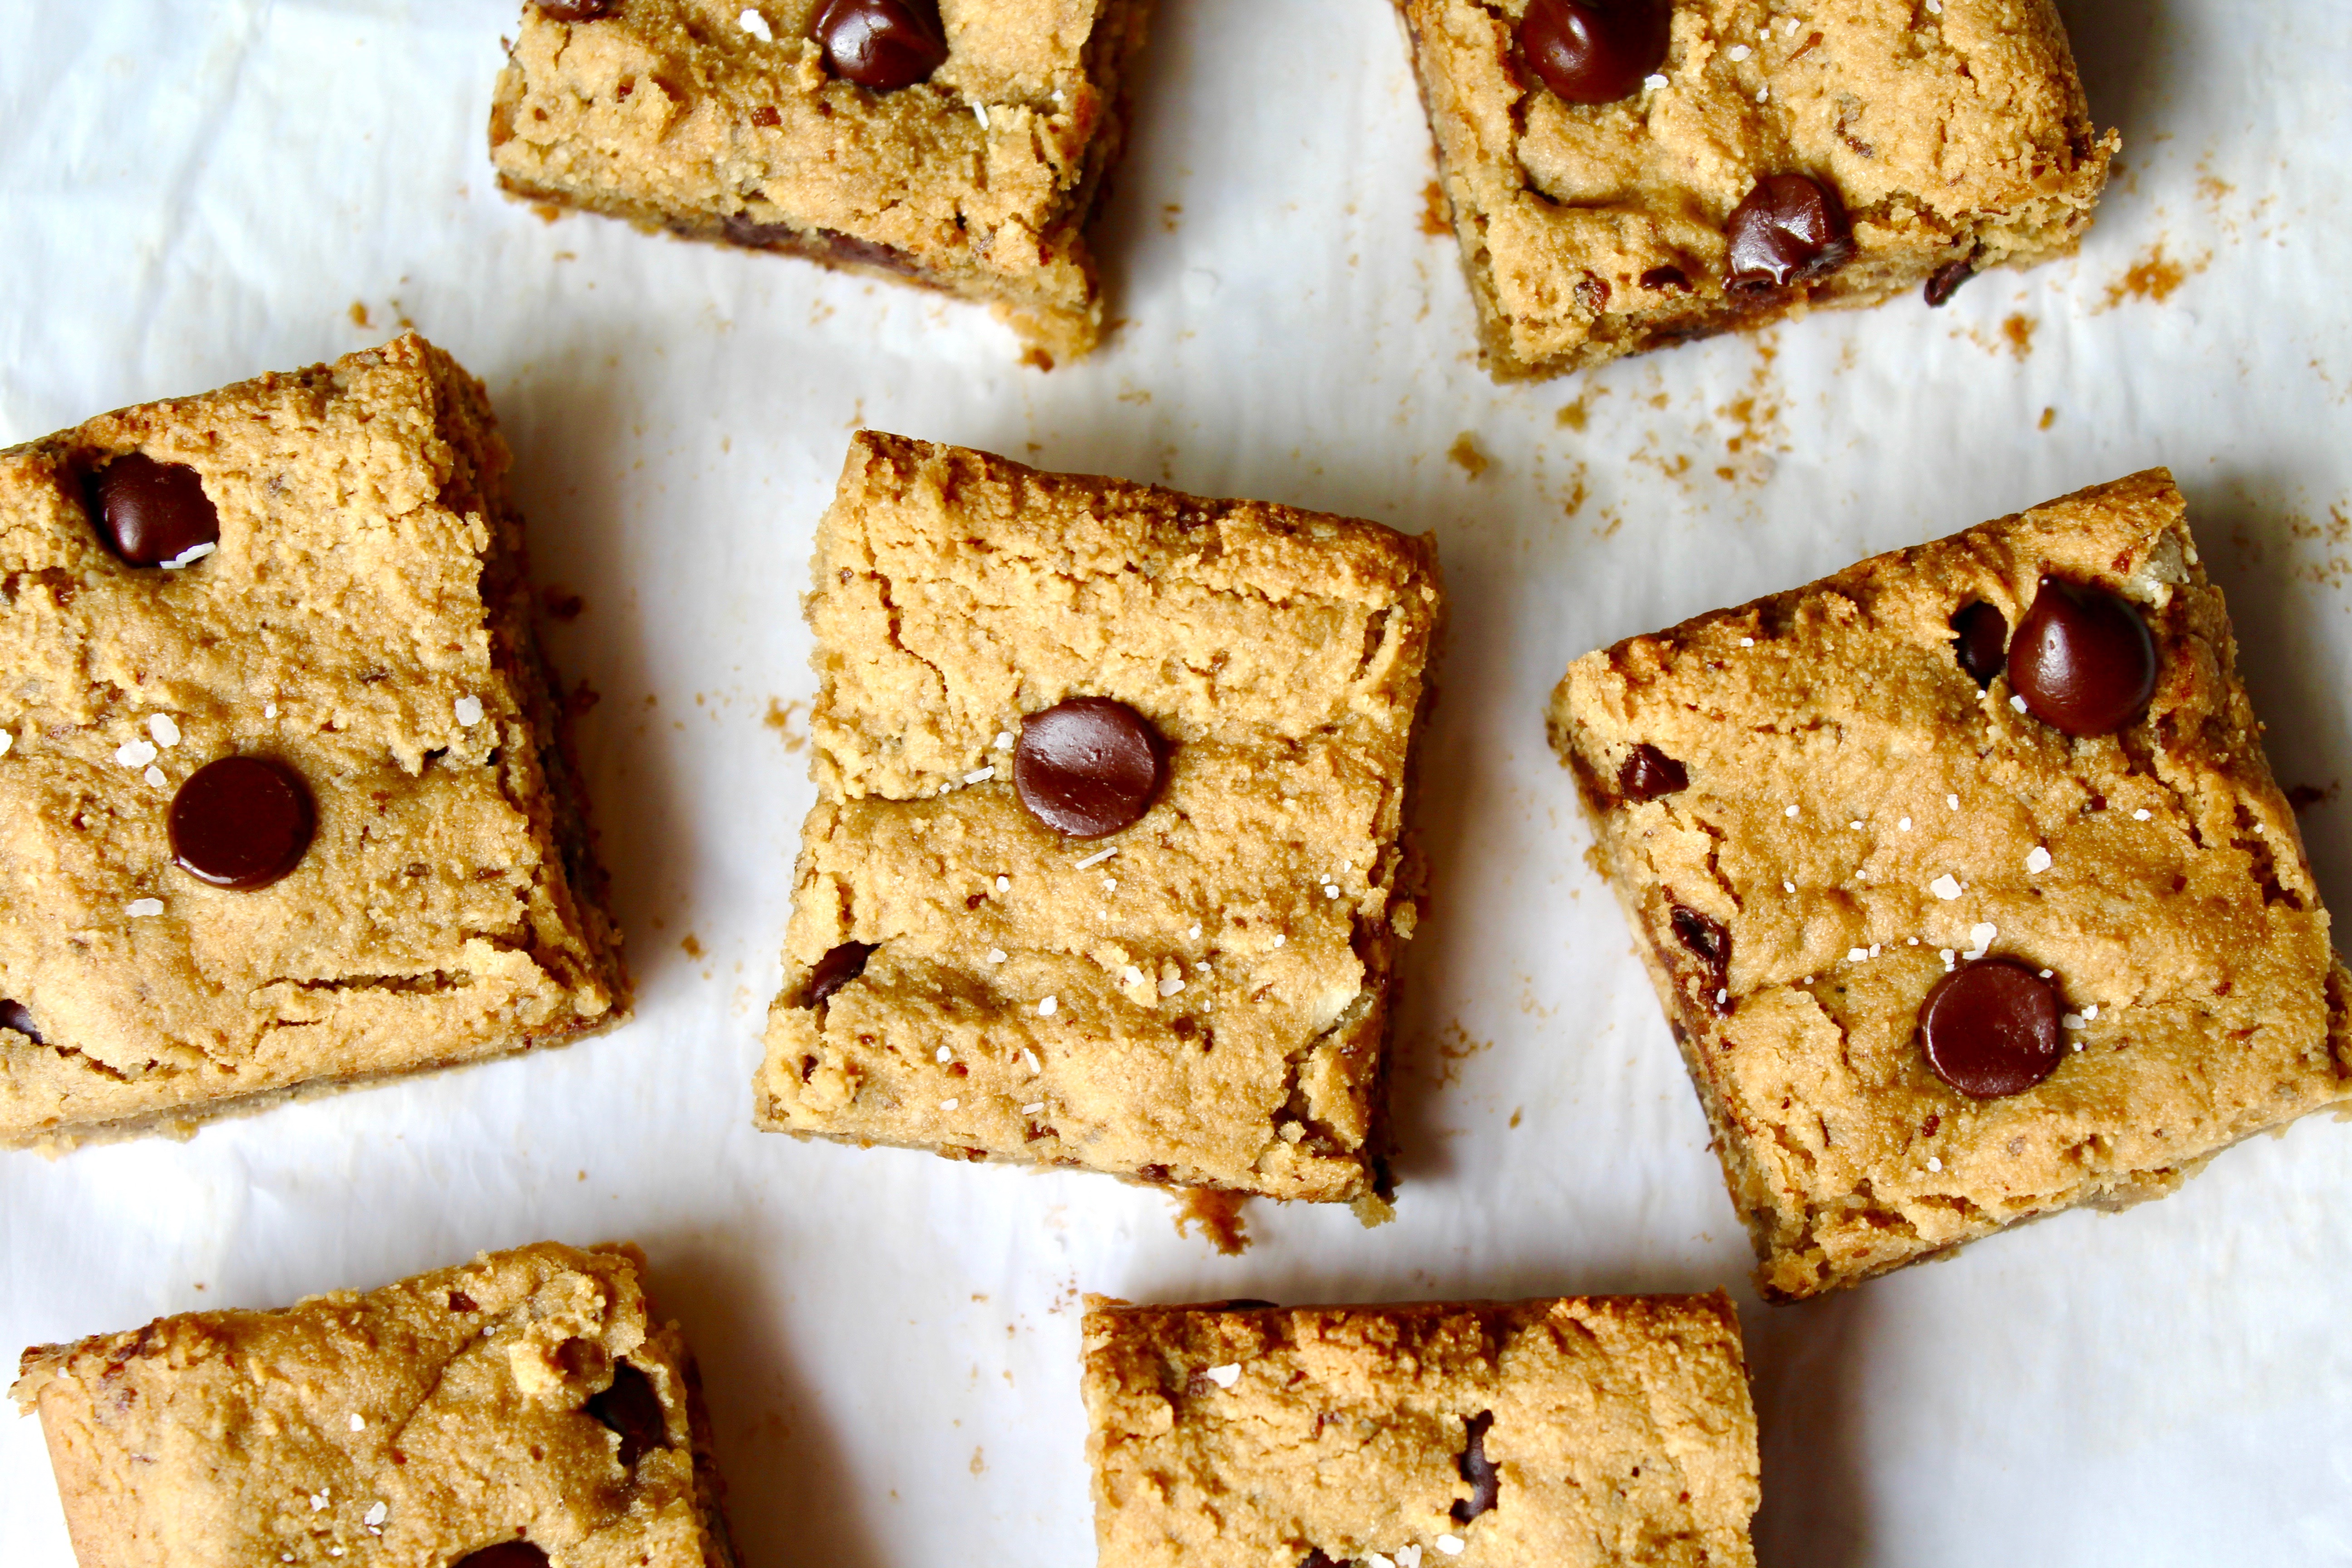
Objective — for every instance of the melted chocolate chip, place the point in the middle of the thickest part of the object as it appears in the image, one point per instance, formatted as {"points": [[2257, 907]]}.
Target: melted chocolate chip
{"points": [[1648, 773], [1317, 1558], [1790, 229], [151, 512], [17, 1016], [884, 44], [1946, 280], [505, 1554], [1990, 1028], [2083, 659], [1087, 767], [631, 1408], [1980, 641], [1710, 943], [1485, 1480], [1595, 51], [241, 822], [837, 969], [577, 10], [1664, 278]]}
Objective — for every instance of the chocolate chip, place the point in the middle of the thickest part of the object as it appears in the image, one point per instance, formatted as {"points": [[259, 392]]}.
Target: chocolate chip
{"points": [[505, 1554], [1790, 229], [1595, 51], [1980, 641], [1648, 773], [1087, 767], [2082, 658], [241, 822], [1317, 1558], [151, 512], [1664, 278], [1946, 280], [1990, 1028], [577, 10], [461, 1302], [17, 1016], [851, 251], [1710, 943], [1239, 1304], [837, 969], [884, 44], [633, 1409], [1485, 1480]]}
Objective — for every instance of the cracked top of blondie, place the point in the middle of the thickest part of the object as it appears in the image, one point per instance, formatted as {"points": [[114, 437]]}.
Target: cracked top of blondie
{"points": [[362, 622], [1855, 816], [1199, 997]]}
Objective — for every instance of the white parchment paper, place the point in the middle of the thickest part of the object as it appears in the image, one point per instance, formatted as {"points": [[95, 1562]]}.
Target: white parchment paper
{"points": [[194, 192]]}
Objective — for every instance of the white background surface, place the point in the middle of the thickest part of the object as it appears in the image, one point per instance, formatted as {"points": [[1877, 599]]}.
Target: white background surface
{"points": [[196, 192]]}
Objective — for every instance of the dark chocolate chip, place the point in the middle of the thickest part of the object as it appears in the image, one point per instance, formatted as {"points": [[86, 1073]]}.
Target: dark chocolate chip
{"points": [[1648, 773], [884, 44], [2082, 658], [17, 1016], [851, 251], [1595, 51], [1790, 229], [1946, 280], [505, 1554], [837, 969], [631, 1408], [1087, 767], [1990, 1028], [241, 822], [1980, 641], [461, 1302], [1317, 1558], [1666, 277], [1710, 943], [1240, 1304], [151, 512], [577, 10], [1485, 1480]]}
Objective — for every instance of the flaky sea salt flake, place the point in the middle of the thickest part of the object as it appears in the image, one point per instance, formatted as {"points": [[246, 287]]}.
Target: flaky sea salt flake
{"points": [[980, 775], [751, 22], [376, 1514], [135, 753], [155, 777], [1096, 858], [469, 712], [1946, 887], [142, 907], [165, 729], [1225, 1376], [2037, 860], [1172, 985], [1045, 1008]]}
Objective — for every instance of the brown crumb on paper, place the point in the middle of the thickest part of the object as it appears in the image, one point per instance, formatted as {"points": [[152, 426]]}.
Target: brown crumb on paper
{"points": [[1219, 1215]]}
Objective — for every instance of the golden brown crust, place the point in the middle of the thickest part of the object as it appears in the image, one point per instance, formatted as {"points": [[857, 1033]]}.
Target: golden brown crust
{"points": [[2156, 872], [369, 589], [979, 182], [1621, 1428], [1957, 135], [416, 1422], [1220, 983]]}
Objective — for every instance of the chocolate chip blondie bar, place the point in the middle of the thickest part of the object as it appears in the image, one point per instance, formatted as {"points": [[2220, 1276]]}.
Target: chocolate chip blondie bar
{"points": [[964, 147], [1547, 1434], [1628, 173], [1105, 867], [529, 1408], [284, 799], [1964, 883]]}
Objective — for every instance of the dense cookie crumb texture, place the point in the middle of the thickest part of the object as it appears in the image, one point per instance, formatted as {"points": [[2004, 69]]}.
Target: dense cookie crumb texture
{"points": [[1106, 866], [834, 132], [1958, 925], [530, 1405], [1773, 161], [1547, 1434], [285, 796]]}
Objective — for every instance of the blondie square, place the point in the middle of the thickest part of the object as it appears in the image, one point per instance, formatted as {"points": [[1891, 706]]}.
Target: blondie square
{"points": [[1104, 866], [1547, 1434], [527, 1408], [284, 800], [1964, 883], [1630, 174], [963, 147]]}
